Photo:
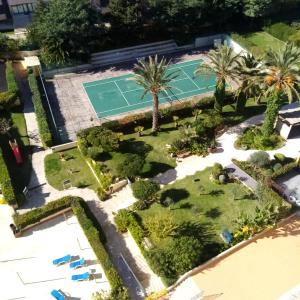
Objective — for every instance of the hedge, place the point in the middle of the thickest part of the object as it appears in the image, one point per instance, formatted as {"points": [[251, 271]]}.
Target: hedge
{"points": [[285, 169], [9, 97], [41, 116], [35, 215], [5, 182], [92, 230], [180, 109]]}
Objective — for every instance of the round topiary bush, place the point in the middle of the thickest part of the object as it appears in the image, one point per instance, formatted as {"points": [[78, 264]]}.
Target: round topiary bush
{"points": [[280, 157], [145, 190], [260, 159], [216, 171], [131, 165], [277, 167], [139, 205]]}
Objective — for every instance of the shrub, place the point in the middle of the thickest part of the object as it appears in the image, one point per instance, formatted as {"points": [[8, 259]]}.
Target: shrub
{"points": [[40, 113], [217, 170], [284, 169], [139, 205], [260, 159], [131, 165], [36, 215], [100, 137], [5, 183], [122, 220], [145, 190], [277, 167], [280, 157], [281, 31], [102, 194]]}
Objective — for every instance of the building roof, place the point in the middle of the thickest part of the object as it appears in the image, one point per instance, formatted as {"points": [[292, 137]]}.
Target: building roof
{"points": [[290, 114], [264, 269]]}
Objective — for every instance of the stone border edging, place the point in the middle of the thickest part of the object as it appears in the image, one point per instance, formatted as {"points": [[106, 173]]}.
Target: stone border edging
{"points": [[226, 253]]}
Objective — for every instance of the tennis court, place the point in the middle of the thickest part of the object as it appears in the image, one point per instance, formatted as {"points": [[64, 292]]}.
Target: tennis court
{"points": [[118, 95]]}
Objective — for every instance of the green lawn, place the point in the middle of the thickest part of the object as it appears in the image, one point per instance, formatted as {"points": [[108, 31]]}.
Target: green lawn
{"points": [[158, 159], [258, 42], [74, 167], [20, 174], [214, 207]]}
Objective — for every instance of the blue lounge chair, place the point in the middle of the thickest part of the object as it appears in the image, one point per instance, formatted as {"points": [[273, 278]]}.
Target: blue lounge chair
{"points": [[81, 277], [62, 260], [57, 295], [226, 236], [77, 263]]}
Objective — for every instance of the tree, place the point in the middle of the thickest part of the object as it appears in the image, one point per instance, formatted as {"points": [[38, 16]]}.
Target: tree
{"points": [[152, 75], [280, 76], [248, 67], [145, 189], [131, 165], [224, 63], [63, 29], [5, 126], [256, 8]]}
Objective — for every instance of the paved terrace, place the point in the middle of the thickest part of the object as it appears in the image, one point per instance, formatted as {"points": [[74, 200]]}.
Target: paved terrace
{"points": [[26, 268]]}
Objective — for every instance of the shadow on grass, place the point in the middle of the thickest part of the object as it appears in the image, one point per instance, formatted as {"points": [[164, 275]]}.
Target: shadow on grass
{"points": [[213, 213], [216, 193], [153, 168], [175, 194], [134, 146]]}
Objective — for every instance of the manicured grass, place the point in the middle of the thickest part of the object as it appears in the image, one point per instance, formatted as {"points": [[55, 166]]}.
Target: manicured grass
{"points": [[73, 167], [214, 207], [158, 159], [259, 42], [20, 174]]}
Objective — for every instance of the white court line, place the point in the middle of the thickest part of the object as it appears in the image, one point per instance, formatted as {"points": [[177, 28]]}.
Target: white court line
{"points": [[190, 78], [162, 98], [122, 79], [122, 93]]}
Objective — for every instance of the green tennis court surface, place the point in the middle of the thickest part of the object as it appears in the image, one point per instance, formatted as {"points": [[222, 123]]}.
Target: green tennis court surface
{"points": [[113, 96]]}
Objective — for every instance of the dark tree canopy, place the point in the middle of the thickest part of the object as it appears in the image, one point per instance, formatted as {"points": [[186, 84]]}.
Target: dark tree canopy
{"points": [[63, 29]]}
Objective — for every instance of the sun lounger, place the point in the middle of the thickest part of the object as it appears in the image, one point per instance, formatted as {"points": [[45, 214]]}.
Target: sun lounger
{"points": [[226, 236], [81, 277], [62, 260], [77, 264], [57, 295]]}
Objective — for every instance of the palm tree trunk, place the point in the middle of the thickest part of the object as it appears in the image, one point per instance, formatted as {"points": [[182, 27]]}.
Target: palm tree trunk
{"points": [[219, 95], [241, 100], [155, 113], [271, 115]]}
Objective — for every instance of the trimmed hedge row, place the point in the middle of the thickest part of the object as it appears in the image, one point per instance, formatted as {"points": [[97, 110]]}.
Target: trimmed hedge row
{"points": [[41, 116], [9, 97], [92, 230], [5, 182], [285, 169], [35, 215], [182, 109], [93, 236]]}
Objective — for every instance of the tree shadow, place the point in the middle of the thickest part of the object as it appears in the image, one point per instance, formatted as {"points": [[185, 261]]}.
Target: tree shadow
{"points": [[174, 194], [134, 146], [213, 213], [104, 156], [184, 206], [153, 168], [216, 193]]}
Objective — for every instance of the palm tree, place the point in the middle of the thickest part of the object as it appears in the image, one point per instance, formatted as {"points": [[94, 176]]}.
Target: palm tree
{"points": [[152, 75], [248, 68], [280, 76], [223, 62]]}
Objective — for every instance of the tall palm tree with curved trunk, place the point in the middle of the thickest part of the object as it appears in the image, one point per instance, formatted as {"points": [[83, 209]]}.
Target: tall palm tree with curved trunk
{"points": [[248, 68], [152, 75], [280, 77], [223, 62]]}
